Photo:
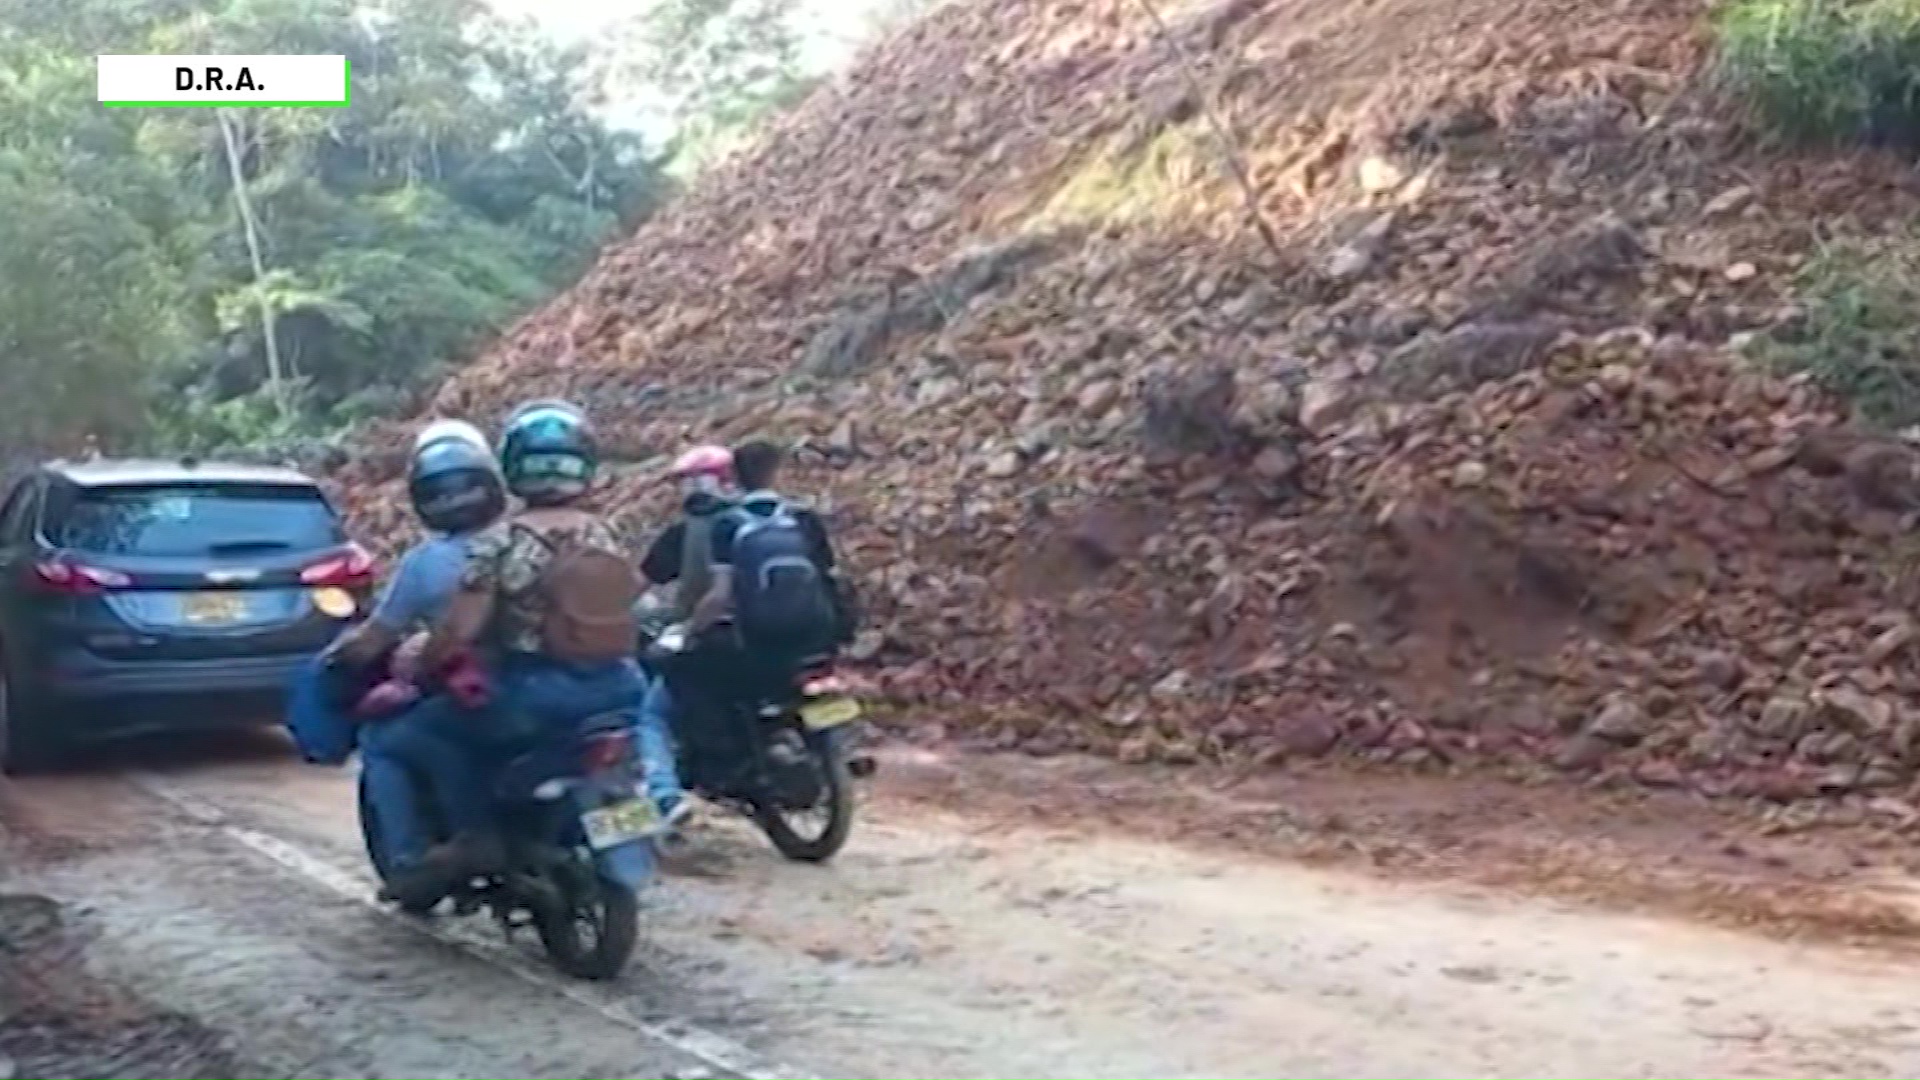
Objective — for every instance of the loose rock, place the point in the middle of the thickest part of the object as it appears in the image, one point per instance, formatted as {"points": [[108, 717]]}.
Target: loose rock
{"points": [[1379, 176], [1620, 720], [1277, 465], [1496, 470], [1324, 404], [1097, 397]]}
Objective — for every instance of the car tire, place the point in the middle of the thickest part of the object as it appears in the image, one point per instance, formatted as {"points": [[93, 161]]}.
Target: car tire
{"points": [[26, 744]]}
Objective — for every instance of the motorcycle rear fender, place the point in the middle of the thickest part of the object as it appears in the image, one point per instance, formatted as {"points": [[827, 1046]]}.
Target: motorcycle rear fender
{"points": [[838, 739], [841, 740], [629, 864], [553, 770]]}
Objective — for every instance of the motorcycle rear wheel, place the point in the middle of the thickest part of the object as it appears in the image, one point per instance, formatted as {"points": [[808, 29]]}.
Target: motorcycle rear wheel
{"points": [[836, 800], [594, 937]]}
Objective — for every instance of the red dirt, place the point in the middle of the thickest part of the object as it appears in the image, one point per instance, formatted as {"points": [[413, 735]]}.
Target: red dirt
{"points": [[1452, 468], [1622, 850]]}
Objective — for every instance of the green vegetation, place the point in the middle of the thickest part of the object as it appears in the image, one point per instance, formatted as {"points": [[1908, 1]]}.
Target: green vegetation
{"points": [[1859, 338], [717, 67], [464, 183], [1827, 70], [198, 278]]}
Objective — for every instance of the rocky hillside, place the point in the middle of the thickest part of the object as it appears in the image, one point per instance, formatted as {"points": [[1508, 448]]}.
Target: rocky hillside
{"points": [[1430, 443]]}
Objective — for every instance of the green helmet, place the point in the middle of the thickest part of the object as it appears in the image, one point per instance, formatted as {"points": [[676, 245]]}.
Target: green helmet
{"points": [[547, 452]]}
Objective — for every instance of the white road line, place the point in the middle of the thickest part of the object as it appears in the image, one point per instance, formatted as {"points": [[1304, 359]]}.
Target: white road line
{"points": [[716, 1051]]}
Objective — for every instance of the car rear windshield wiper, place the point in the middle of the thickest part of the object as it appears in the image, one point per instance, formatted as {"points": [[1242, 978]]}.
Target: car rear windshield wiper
{"points": [[246, 547]]}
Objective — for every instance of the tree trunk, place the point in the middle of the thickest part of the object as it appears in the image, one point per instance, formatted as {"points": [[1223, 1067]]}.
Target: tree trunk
{"points": [[276, 387]]}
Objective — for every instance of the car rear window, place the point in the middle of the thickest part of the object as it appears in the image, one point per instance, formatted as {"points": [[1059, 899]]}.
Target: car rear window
{"points": [[199, 519]]}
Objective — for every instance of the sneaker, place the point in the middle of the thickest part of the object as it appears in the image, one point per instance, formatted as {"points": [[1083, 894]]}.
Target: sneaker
{"points": [[675, 811]]}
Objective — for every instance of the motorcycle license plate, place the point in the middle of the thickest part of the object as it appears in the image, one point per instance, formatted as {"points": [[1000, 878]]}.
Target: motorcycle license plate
{"points": [[621, 823], [829, 712]]}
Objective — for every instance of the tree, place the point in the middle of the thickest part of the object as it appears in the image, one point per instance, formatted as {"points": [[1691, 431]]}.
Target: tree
{"points": [[715, 66], [88, 300], [321, 251], [890, 15], [250, 230]]}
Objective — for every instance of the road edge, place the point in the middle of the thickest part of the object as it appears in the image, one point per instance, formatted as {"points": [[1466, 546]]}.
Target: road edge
{"points": [[713, 1050]]}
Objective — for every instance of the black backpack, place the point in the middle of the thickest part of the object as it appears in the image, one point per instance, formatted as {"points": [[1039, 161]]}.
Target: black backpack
{"points": [[780, 597]]}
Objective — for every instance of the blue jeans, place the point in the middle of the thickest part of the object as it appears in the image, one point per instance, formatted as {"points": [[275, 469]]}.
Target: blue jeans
{"points": [[398, 826], [441, 743], [457, 751], [326, 733], [547, 700], [653, 729]]}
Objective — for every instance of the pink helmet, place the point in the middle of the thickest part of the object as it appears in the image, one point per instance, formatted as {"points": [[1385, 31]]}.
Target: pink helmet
{"points": [[715, 462]]}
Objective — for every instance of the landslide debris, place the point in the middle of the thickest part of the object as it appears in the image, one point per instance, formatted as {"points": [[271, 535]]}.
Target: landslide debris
{"points": [[1465, 469]]}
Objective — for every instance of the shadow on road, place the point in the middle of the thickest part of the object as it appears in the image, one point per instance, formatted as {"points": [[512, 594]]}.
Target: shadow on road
{"points": [[58, 1020], [177, 751]]}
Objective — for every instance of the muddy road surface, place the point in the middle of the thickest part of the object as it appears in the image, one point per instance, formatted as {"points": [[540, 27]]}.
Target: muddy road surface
{"points": [[964, 932]]}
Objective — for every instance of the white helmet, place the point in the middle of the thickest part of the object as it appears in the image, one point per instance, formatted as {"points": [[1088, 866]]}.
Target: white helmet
{"points": [[451, 429]]}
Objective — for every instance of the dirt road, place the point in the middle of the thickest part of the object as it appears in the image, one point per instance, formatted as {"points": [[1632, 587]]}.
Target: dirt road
{"points": [[942, 943]]}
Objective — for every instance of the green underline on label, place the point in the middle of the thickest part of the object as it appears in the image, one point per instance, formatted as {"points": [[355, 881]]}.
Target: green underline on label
{"points": [[225, 104]]}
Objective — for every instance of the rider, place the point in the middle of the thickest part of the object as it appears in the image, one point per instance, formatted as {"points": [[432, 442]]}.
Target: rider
{"points": [[684, 555], [548, 595], [690, 556], [456, 490], [787, 608], [756, 464]]}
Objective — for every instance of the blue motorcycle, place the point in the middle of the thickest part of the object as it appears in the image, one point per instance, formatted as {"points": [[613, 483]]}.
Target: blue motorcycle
{"points": [[579, 840]]}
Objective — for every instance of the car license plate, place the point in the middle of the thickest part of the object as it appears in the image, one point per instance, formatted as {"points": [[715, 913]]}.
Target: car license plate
{"points": [[214, 608], [829, 712], [621, 823]]}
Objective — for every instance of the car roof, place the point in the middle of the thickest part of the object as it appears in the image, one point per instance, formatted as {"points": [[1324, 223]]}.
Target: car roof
{"points": [[106, 472]]}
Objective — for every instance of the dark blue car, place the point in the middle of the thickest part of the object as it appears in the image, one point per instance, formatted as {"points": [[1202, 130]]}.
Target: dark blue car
{"points": [[142, 595]]}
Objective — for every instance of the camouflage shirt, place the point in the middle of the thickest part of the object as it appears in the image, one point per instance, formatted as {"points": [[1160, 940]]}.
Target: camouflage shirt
{"points": [[507, 559]]}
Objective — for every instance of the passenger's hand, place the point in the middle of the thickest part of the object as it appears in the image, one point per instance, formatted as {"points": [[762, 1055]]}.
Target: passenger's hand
{"points": [[467, 682], [386, 699], [405, 662]]}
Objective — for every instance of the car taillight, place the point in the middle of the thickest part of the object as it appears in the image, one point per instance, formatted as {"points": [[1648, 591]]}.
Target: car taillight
{"points": [[351, 570], [606, 750], [74, 579]]}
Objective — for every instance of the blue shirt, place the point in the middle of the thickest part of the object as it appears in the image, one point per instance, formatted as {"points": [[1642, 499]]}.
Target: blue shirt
{"points": [[422, 585]]}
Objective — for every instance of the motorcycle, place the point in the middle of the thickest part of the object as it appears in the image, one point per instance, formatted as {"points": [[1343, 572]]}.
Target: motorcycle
{"points": [[793, 774], [579, 844]]}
